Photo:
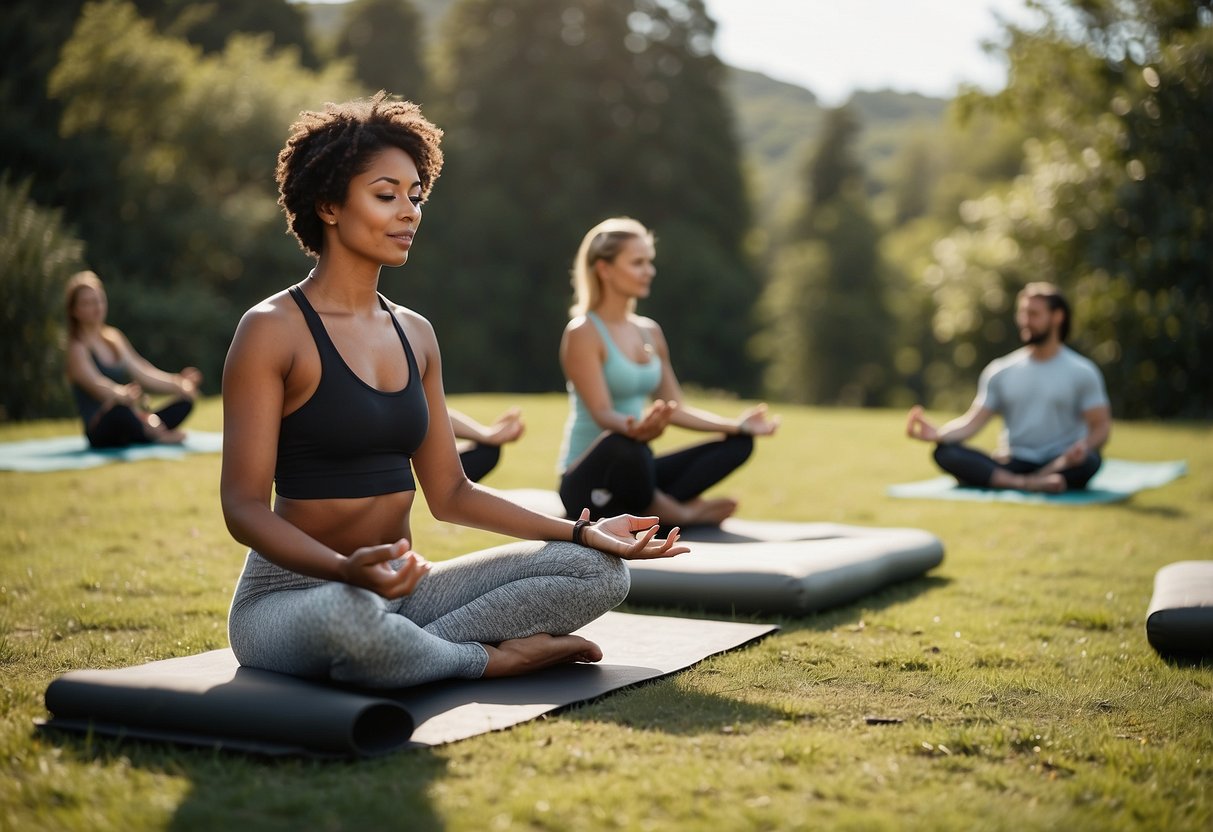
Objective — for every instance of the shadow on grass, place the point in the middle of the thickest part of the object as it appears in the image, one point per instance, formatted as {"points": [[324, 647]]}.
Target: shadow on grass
{"points": [[652, 707], [234, 791], [1168, 512]]}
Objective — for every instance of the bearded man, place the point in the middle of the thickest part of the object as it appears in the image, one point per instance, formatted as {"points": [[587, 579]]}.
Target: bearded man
{"points": [[1053, 404]]}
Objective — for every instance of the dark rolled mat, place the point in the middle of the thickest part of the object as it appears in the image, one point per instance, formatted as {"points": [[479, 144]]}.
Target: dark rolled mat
{"points": [[1179, 622], [209, 700]]}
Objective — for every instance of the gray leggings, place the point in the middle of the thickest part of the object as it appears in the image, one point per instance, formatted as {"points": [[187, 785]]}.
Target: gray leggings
{"points": [[308, 627]]}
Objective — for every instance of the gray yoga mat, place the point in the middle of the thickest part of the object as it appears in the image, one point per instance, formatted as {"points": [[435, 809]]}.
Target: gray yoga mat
{"points": [[67, 453], [1179, 621], [1117, 479], [208, 700], [790, 577]]}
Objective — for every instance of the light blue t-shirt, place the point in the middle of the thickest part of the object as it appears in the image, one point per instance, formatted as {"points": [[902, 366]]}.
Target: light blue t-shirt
{"points": [[630, 385], [1041, 402]]}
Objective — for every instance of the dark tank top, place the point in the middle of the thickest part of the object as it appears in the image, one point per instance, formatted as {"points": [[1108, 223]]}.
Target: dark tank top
{"points": [[85, 403], [349, 439]]}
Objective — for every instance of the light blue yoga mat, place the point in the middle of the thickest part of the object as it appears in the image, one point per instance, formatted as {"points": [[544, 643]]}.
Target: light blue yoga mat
{"points": [[67, 453], [1117, 480]]}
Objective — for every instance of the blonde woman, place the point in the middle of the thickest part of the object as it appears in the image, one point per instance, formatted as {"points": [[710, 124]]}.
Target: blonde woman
{"points": [[623, 394]]}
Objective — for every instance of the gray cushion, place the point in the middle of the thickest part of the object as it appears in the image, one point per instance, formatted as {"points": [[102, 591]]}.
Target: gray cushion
{"points": [[1179, 622]]}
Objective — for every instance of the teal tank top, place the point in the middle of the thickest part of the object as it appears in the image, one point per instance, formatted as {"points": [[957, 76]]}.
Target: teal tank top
{"points": [[630, 385]]}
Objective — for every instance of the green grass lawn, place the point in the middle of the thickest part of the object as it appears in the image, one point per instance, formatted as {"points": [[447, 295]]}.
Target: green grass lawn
{"points": [[1027, 693]]}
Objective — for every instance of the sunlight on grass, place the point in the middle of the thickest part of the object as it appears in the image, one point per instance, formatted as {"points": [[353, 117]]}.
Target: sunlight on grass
{"points": [[1010, 688]]}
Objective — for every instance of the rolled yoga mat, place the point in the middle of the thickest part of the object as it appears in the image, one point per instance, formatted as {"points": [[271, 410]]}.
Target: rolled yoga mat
{"points": [[1179, 621], [209, 700]]}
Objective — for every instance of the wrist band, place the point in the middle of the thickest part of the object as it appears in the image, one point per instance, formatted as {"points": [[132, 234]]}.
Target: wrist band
{"points": [[579, 530]]}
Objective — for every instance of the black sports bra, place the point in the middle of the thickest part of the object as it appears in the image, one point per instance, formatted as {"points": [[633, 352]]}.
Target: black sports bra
{"points": [[349, 439]]}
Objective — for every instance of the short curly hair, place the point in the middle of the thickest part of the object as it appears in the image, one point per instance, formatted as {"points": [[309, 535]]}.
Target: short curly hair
{"points": [[325, 150]]}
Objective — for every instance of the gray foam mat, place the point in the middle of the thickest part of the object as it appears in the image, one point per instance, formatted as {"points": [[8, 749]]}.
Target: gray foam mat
{"points": [[772, 566], [791, 577]]}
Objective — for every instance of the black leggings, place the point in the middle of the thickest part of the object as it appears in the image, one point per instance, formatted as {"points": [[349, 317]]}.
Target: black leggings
{"points": [[119, 426], [618, 475], [479, 459], [972, 467]]}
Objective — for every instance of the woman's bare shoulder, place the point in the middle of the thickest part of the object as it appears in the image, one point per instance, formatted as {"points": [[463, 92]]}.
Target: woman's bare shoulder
{"points": [[276, 310], [415, 324], [646, 324], [269, 326]]}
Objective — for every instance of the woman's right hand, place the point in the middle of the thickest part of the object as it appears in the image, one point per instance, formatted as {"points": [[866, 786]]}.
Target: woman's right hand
{"points": [[653, 422], [392, 570], [130, 395], [917, 426]]}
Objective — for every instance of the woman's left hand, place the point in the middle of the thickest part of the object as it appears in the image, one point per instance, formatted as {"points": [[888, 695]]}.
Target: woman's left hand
{"points": [[756, 422], [190, 381], [630, 537]]}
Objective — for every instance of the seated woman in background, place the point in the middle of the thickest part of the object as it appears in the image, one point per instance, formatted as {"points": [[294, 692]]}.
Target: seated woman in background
{"points": [[481, 451], [334, 412], [615, 361], [110, 380]]}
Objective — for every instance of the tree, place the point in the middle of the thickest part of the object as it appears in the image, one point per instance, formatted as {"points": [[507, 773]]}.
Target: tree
{"points": [[382, 39], [1116, 205], [559, 114], [195, 234], [210, 23], [829, 331], [31, 147]]}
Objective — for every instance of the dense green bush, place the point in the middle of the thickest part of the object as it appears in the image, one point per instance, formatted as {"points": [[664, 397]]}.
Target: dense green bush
{"points": [[37, 255]]}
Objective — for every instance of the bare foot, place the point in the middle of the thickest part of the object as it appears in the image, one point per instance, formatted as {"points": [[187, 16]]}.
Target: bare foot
{"points": [[516, 656], [711, 512], [158, 434], [696, 512], [1048, 483]]}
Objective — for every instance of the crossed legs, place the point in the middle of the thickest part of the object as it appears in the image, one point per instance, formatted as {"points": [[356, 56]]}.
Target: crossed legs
{"points": [[972, 467], [467, 611]]}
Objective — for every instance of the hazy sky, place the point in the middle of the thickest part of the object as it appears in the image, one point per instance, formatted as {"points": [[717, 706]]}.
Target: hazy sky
{"points": [[833, 47]]}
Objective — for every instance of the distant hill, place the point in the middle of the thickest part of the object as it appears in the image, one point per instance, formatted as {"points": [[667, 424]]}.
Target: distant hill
{"points": [[778, 123]]}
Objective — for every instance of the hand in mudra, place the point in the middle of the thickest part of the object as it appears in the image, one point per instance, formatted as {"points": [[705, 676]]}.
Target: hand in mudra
{"points": [[392, 570], [917, 427], [630, 537]]}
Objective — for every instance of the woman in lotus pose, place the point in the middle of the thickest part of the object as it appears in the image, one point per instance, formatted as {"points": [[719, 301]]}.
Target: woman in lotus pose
{"points": [[480, 448], [615, 361], [110, 380], [330, 391]]}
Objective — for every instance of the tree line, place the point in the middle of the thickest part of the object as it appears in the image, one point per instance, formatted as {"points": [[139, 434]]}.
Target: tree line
{"points": [[139, 139]]}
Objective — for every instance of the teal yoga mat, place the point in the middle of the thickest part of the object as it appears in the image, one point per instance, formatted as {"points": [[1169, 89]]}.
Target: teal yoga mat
{"points": [[1118, 479], [69, 453]]}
